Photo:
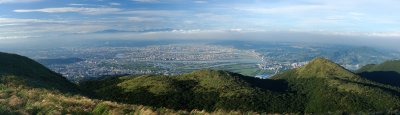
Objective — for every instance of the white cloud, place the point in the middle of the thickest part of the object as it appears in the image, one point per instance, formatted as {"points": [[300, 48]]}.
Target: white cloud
{"points": [[147, 1], [212, 16], [160, 13], [283, 9], [90, 11], [78, 4], [17, 1], [340, 15], [200, 1], [54, 28], [16, 20], [14, 28], [141, 19], [115, 4], [15, 37], [72, 28]]}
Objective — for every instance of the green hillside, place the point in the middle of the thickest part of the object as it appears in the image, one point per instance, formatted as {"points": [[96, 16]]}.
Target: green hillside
{"points": [[327, 86], [392, 65], [203, 90], [321, 86], [22, 71], [27, 87], [387, 72], [319, 68]]}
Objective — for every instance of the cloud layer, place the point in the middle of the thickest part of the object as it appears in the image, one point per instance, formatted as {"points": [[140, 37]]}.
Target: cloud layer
{"points": [[82, 10], [17, 1], [198, 19]]}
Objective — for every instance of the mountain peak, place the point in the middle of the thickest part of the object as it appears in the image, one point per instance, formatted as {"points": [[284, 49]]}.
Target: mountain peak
{"points": [[319, 61], [321, 67]]}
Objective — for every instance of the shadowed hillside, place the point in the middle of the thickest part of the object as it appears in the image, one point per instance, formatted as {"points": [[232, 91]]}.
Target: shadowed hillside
{"points": [[22, 71], [322, 86], [387, 72], [27, 87], [327, 86], [205, 89]]}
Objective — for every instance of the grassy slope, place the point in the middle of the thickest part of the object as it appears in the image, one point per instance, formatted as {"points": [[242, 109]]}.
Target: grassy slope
{"points": [[392, 65], [19, 70], [329, 87], [204, 90], [25, 100], [320, 86], [26, 87]]}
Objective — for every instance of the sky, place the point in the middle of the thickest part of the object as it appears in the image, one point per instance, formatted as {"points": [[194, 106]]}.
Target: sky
{"points": [[29, 21]]}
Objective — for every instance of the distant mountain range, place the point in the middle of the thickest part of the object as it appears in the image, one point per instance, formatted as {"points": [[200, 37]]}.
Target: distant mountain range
{"points": [[27, 87]]}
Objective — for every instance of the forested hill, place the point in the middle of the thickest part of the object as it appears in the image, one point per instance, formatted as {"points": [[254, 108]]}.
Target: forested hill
{"points": [[320, 86], [387, 72], [27, 87], [21, 71], [327, 86]]}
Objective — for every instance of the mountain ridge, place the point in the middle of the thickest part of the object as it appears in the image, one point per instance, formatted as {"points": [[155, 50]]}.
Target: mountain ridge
{"points": [[27, 72], [319, 87], [27, 87], [320, 67], [387, 72]]}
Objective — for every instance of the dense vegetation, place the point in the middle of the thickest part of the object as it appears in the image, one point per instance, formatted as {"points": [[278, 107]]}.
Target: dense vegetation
{"points": [[387, 72], [320, 86], [26, 87], [22, 71], [328, 87], [204, 90]]}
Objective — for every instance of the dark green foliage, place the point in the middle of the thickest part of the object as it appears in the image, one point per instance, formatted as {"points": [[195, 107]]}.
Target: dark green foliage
{"points": [[329, 87], [321, 86], [27, 87], [19, 70], [386, 73], [205, 90], [392, 65], [385, 77]]}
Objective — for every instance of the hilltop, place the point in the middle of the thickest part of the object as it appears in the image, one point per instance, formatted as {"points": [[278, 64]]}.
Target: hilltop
{"points": [[319, 68], [27, 87], [21, 71], [391, 65], [327, 86], [321, 86], [204, 90]]}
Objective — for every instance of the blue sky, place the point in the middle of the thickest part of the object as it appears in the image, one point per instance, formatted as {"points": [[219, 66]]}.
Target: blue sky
{"points": [[34, 19]]}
